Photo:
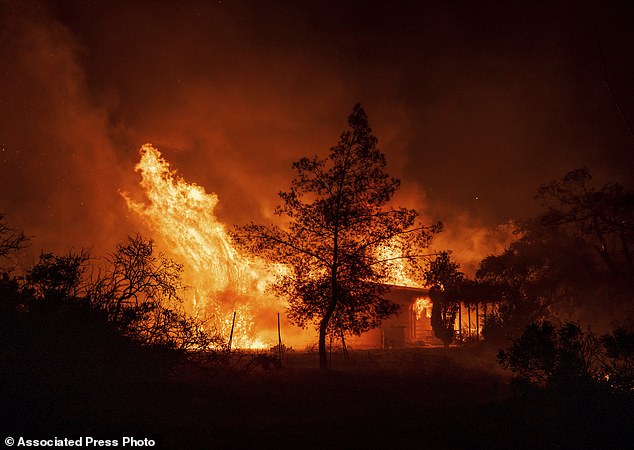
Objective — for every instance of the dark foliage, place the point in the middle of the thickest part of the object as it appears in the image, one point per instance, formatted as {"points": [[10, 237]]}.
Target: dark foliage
{"points": [[544, 356], [135, 276], [67, 370], [11, 239], [57, 277], [135, 295], [446, 281], [540, 273], [339, 219], [602, 216], [139, 291], [618, 360], [567, 359], [570, 262], [572, 387]]}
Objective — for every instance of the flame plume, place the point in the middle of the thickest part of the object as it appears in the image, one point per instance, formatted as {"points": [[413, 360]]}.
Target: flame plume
{"points": [[182, 215], [397, 272], [221, 280]]}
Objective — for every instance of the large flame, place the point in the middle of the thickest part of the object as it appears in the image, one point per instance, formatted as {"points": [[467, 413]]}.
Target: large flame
{"points": [[222, 281], [397, 272], [422, 307]]}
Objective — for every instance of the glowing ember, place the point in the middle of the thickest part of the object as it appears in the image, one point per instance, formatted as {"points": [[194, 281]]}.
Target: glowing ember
{"points": [[221, 280]]}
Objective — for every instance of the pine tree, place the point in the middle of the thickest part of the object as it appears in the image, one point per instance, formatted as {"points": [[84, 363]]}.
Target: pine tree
{"points": [[339, 218]]}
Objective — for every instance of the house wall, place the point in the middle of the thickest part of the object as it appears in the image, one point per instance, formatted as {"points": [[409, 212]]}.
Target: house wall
{"points": [[411, 326], [404, 329]]}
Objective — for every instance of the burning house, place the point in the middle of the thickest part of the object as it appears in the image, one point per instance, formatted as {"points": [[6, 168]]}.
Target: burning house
{"points": [[230, 287], [411, 325]]}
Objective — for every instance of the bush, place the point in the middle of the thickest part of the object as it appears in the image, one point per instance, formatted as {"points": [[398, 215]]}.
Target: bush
{"points": [[569, 359]]}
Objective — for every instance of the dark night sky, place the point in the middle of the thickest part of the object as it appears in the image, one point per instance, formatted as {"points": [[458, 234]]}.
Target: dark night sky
{"points": [[475, 104]]}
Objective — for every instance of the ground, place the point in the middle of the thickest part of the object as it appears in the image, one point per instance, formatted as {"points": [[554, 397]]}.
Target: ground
{"points": [[417, 398]]}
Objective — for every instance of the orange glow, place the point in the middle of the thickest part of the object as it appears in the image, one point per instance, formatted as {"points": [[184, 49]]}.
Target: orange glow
{"points": [[397, 273], [221, 281], [422, 308]]}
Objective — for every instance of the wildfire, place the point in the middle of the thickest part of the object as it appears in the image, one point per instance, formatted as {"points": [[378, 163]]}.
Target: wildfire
{"points": [[396, 269], [422, 308], [221, 280]]}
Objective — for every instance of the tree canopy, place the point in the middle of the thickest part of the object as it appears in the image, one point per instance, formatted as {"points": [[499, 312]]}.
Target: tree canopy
{"points": [[571, 261], [445, 282], [339, 219], [602, 216], [11, 239]]}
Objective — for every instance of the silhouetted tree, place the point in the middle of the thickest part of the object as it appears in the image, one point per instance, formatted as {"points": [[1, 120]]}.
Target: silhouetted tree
{"points": [[12, 294], [361, 306], [136, 277], [11, 239], [544, 272], [58, 277], [445, 279], [618, 363], [604, 217], [139, 289], [568, 359], [571, 261], [338, 220], [11, 242], [546, 356]]}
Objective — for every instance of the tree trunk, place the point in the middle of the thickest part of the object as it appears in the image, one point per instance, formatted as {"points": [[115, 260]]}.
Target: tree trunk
{"points": [[323, 328], [469, 318], [323, 356], [330, 350], [279, 339], [323, 325], [603, 251], [460, 321], [478, 320], [344, 349]]}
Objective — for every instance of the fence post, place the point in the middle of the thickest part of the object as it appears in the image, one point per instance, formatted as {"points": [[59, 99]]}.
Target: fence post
{"points": [[233, 322]]}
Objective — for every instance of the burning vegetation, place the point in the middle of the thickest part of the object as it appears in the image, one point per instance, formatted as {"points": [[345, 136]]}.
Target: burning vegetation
{"points": [[157, 315], [134, 303], [381, 245], [220, 279]]}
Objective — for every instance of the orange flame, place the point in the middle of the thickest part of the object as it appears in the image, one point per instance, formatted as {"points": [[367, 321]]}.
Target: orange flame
{"points": [[397, 272], [222, 280], [422, 307]]}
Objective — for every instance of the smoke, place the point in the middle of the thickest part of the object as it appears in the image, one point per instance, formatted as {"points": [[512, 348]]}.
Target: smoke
{"points": [[471, 243], [59, 168], [474, 106]]}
